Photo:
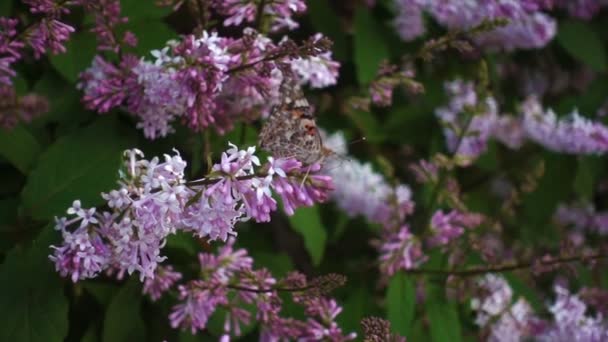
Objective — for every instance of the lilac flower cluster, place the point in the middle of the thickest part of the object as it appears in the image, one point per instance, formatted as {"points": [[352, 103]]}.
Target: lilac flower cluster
{"points": [[466, 131], [573, 134], [15, 109], [229, 281], [494, 306], [582, 217], [528, 26], [277, 15], [206, 81], [450, 226], [508, 321], [362, 191], [48, 33], [584, 9], [154, 201]]}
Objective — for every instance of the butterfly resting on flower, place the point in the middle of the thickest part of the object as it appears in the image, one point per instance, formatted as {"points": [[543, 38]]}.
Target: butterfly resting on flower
{"points": [[291, 130]]}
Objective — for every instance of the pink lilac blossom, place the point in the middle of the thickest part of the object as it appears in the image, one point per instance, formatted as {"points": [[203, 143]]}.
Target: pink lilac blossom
{"points": [[573, 134], [153, 202], [582, 217], [229, 281], [15, 109], [279, 14], [48, 34], [107, 18], [466, 136], [202, 82], [164, 278], [319, 71], [570, 321], [359, 190], [409, 21], [449, 226], [400, 250], [10, 49], [584, 9], [528, 27]]}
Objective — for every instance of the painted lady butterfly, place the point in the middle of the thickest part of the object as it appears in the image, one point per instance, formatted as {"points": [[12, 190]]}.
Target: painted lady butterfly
{"points": [[291, 130]]}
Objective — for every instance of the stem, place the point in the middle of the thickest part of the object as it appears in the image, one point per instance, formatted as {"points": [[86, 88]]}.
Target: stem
{"points": [[272, 289], [505, 267], [259, 18], [207, 181], [202, 14]]}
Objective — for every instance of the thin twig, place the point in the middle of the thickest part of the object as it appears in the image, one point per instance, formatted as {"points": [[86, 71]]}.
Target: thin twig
{"points": [[505, 267], [272, 289]]}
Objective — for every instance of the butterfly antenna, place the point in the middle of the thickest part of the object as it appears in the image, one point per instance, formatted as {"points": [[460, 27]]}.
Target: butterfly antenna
{"points": [[357, 141], [305, 176]]}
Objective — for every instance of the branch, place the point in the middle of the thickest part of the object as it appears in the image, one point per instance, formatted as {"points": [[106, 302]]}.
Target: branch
{"points": [[506, 267]]}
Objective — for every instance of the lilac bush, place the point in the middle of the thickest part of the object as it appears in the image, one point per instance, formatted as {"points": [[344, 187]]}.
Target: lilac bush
{"points": [[430, 170]]}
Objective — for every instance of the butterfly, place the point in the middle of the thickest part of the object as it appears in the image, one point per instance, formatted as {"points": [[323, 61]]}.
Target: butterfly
{"points": [[291, 130]]}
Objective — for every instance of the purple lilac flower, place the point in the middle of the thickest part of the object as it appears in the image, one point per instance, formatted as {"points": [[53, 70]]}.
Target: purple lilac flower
{"points": [[48, 34], [450, 226], [107, 17], [164, 278], [10, 49], [400, 250], [321, 325], [469, 140], [409, 21], [193, 81], [278, 13], [361, 191], [573, 134], [107, 86], [507, 321], [570, 322], [584, 9], [582, 217], [528, 27], [14, 109], [153, 202]]}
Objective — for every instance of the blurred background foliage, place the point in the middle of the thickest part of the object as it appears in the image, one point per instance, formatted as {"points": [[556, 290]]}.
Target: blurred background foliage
{"points": [[73, 153]]}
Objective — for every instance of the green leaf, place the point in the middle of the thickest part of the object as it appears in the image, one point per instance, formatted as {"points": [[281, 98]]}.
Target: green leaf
{"points": [[123, 322], [582, 43], [137, 10], [401, 302], [443, 316], [34, 307], [370, 47], [6, 7], [307, 222], [356, 305], [586, 174], [79, 166], [369, 126], [81, 48], [19, 147], [324, 19], [151, 35]]}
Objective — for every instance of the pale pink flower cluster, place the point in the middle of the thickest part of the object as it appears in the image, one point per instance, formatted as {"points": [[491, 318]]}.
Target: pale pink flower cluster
{"points": [[154, 201], [206, 81]]}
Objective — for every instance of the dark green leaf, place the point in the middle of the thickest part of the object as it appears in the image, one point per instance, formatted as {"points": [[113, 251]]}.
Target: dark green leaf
{"points": [[586, 174], [34, 307], [123, 322], [324, 20], [6, 7], [443, 316], [369, 125], [355, 306], [307, 222], [136, 10], [81, 48], [79, 166], [19, 147], [370, 48], [151, 35], [401, 302], [582, 43]]}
